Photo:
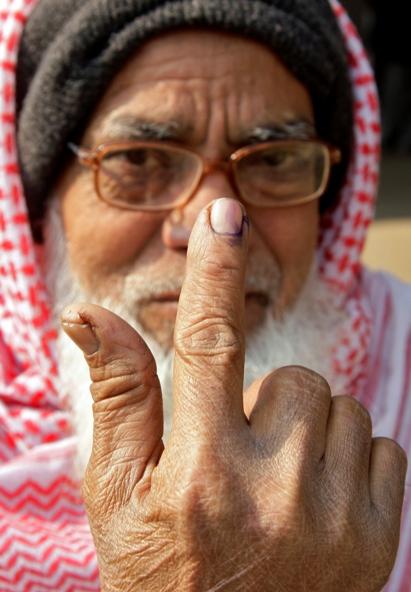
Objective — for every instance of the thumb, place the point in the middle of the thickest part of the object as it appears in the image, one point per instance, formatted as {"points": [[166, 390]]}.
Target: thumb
{"points": [[127, 409]]}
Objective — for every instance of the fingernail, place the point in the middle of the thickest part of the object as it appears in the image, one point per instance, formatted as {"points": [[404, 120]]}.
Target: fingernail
{"points": [[80, 332], [227, 217]]}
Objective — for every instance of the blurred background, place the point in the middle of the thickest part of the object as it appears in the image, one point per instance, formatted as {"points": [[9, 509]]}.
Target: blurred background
{"points": [[384, 26]]}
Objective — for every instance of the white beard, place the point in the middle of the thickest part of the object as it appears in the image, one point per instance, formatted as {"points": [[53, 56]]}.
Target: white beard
{"points": [[305, 336]]}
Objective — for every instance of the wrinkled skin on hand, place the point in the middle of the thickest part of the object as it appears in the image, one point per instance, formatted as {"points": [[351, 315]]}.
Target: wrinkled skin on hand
{"points": [[291, 495]]}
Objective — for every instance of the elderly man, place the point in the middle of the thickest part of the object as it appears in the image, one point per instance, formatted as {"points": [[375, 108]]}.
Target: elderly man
{"points": [[205, 171]]}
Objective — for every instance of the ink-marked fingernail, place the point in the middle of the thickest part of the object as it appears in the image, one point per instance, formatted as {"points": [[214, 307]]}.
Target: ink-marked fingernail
{"points": [[227, 217], [80, 332]]}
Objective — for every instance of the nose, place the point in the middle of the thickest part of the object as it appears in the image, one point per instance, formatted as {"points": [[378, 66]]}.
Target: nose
{"points": [[178, 225]]}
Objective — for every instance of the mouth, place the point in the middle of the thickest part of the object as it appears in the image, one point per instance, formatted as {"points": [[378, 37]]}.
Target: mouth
{"points": [[166, 297], [257, 298], [157, 315], [173, 297]]}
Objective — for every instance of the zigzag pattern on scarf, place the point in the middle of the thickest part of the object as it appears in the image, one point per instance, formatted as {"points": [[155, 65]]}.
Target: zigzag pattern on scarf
{"points": [[45, 542]]}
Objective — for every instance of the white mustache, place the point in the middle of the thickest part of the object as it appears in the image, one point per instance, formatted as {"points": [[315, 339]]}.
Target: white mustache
{"points": [[140, 288]]}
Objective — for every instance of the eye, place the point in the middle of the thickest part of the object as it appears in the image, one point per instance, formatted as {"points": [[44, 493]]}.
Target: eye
{"points": [[278, 158], [136, 157], [147, 158]]}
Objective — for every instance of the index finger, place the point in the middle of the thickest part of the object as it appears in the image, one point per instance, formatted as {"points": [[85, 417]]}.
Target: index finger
{"points": [[209, 330]]}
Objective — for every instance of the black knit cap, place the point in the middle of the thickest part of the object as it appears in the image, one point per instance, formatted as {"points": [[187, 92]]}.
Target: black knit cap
{"points": [[71, 50]]}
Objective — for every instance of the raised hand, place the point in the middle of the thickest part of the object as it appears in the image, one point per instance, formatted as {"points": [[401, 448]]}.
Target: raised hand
{"points": [[295, 497]]}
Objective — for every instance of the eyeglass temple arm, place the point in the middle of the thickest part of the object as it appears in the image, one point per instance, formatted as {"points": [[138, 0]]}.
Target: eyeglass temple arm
{"points": [[86, 157], [335, 155]]}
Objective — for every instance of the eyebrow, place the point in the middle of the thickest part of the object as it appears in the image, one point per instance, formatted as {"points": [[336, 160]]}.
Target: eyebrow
{"points": [[296, 129], [128, 127]]}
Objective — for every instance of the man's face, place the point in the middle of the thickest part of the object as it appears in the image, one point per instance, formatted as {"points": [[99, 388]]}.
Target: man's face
{"points": [[214, 93]]}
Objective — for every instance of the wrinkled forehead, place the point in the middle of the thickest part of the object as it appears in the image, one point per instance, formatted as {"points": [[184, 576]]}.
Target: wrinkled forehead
{"points": [[180, 83]]}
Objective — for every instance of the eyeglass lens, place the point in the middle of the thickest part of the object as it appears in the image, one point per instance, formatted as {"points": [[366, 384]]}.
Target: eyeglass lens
{"points": [[147, 176]]}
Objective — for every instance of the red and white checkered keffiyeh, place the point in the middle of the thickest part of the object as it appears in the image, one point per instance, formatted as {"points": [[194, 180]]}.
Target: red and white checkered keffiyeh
{"points": [[45, 542]]}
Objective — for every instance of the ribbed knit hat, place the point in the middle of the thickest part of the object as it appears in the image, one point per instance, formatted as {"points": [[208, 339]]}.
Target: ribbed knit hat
{"points": [[71, 49]]}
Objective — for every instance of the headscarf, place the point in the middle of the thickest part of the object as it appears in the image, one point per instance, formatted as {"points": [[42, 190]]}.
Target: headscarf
{"points": [[44, 534]]}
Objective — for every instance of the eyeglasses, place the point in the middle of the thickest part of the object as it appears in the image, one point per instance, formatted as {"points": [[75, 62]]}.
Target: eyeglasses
{"points": [[156, 176]]}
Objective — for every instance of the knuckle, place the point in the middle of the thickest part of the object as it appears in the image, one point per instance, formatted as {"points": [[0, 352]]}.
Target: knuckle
{"points": [[121, 377], [209, 337], [353, 411], [107, 365], [392, 449], [110, 388], [302, 382], [305, 378]]}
